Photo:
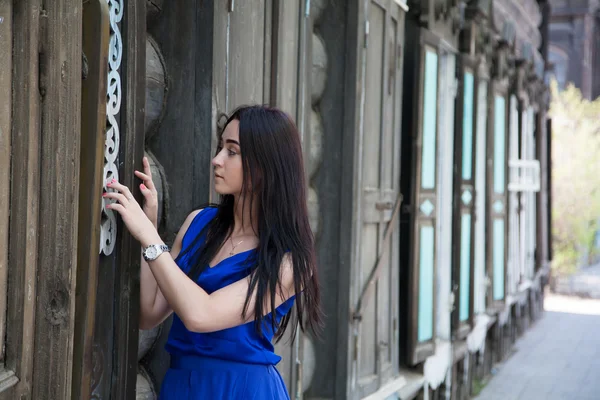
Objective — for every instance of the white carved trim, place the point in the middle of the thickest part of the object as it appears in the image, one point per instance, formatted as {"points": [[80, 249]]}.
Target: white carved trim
{"points": [[527, 176], [108, 229], [402, 4]]}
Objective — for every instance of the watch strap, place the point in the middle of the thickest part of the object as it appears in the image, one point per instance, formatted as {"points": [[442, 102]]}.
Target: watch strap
{"points": [[163, 248]]}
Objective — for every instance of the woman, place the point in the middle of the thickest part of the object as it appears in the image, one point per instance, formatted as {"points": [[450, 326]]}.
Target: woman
{"points": [[235, 269]]}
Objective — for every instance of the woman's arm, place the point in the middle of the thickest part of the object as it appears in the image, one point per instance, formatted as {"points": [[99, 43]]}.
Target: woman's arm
{"points": [[199, 311], [154, 308]]}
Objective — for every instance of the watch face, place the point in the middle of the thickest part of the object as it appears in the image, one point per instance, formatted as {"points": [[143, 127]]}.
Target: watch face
{"points": [[151, 252]]}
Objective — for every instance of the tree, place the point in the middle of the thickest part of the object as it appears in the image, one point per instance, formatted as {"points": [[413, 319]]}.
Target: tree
{"points": [[575, 176]]}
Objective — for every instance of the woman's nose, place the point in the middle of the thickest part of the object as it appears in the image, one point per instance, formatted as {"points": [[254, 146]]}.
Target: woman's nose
{"points": [[216, 161]]}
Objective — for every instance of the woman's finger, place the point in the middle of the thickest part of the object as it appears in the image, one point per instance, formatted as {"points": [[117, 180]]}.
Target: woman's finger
{"points": [[142, 176], [147, 179], [147, 169], [121, 188], [117, 207], [148, 194], [116, 196]]}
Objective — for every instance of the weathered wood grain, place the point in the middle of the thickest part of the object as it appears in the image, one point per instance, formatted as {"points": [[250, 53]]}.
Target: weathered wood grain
{"points": [[5, 126], [24, 197], [60, 89], [126, 296], [93, 131]]}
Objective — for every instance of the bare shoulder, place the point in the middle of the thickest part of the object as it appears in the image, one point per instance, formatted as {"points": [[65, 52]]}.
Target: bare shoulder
{"points": [[184, 227], [287, 262], [286, 271], [188, 220]]}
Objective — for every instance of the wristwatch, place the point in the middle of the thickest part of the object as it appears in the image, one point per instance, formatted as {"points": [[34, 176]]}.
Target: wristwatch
{"points": [[152, 252]]}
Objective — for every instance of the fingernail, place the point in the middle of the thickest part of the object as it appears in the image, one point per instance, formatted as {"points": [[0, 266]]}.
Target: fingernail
{"points": [[113, 181], [143, 187], [104, 194]]}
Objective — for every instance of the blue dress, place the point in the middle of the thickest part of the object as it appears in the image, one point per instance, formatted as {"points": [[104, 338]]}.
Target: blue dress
{"points": [[234, 363]]}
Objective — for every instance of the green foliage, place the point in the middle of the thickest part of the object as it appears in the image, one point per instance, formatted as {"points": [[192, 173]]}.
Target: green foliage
{"points": [[575, 175], [478, 386]]}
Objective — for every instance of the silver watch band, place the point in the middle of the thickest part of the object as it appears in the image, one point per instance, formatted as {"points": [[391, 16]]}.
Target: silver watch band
{"points": [[152, 252]]}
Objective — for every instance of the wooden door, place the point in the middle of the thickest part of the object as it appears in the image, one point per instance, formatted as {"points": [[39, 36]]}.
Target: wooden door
{"points": [[419, 181], [481, 167], [444, 181], [464, 190], [379, 173], [514, 243], [528, 220], [496, 237], [447, 92]]}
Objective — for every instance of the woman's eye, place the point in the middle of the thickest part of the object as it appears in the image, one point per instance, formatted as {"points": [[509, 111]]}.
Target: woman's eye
{"points": [[232, 153]]}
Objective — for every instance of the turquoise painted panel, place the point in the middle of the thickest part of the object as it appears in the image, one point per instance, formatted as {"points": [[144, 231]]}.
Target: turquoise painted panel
{"points": [[467, 149], [465, 266], [498, 259], [499, 144], [429, 121], [426, 268]]}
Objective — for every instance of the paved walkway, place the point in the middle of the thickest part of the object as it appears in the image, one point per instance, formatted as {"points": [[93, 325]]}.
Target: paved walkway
{"points": [[558, 358]]}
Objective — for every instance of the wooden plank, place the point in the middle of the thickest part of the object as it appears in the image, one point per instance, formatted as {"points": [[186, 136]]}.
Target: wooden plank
{"points": [[103, 346], [285, 54], [246, 54], [268, 48], [202, 112], [24, 196], [133, 75], [60, 87], [96, 30], [184, 35], [220, 12], [5, 126]]}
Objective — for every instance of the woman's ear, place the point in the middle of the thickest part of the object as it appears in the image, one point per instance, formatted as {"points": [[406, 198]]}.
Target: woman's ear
{"points": [[255, 180]]}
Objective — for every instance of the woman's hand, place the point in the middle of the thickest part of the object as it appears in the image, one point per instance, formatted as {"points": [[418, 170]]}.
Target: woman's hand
{"points": [[137, 222], [149, 191]]}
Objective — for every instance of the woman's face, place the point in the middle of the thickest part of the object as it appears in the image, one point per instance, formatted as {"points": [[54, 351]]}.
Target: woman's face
{"points": [[228, 170]]}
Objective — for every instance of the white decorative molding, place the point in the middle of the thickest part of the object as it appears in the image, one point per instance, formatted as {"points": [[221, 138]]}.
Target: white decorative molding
{"points": [[108, 229], [527, 176], [436, 367], [476, 339]]}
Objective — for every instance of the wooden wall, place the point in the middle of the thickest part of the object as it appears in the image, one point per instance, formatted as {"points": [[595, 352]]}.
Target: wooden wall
{"points": [[42, 149]]}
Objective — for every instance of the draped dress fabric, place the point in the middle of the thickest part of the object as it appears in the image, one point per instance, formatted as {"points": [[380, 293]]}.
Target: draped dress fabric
{"points": [[234, 363]]}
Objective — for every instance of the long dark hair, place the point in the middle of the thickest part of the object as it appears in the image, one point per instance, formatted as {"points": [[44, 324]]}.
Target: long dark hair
{"points": [[273, 170]]}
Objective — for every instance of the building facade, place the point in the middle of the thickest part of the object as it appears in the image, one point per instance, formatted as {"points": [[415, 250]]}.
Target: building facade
{"points": [[574, 50], [427, 149]]}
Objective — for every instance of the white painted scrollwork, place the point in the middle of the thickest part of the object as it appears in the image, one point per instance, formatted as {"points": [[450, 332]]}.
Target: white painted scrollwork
{"points": [[108, 230]]}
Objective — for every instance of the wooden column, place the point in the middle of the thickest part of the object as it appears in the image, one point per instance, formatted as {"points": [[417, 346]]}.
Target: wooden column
{"points": [[60, 91], [93, 133], [128, 253], [24, 190]]}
